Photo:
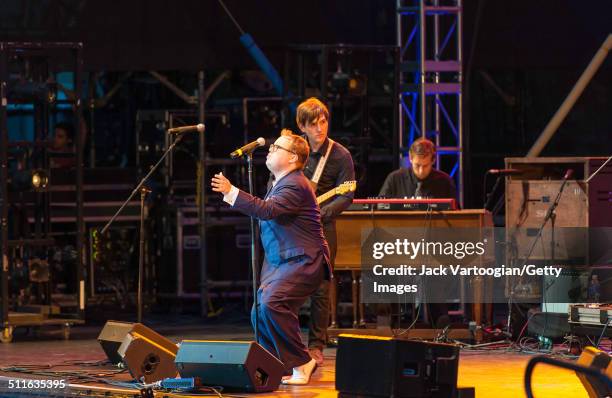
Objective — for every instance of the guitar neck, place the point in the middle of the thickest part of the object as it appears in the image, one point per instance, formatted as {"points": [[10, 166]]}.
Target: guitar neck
{"points": [[325, 196]]}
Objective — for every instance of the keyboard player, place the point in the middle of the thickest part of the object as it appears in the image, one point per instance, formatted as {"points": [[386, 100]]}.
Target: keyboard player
{"points": [[421, 181]]}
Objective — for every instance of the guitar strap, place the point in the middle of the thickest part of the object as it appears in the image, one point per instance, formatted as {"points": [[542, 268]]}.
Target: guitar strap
{"points": [[321, 165]]}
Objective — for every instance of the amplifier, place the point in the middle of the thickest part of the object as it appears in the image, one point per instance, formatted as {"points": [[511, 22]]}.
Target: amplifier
{"points": [[591, 314], [582, 206]]}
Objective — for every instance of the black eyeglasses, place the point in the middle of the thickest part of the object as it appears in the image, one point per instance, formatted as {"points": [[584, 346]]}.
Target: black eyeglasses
{"points": [[274, 148]]}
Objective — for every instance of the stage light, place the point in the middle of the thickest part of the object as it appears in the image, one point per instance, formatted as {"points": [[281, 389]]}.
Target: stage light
{"points": [[39, 270], [29, 180], [357, 85], [51, 93], [39, 180]]}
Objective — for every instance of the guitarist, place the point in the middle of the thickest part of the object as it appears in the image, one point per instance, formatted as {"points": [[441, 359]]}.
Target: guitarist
{"points": [[329, 165]]}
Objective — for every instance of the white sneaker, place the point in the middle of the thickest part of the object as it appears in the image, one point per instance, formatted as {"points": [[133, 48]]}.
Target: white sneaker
{"points": [[301, 374]]}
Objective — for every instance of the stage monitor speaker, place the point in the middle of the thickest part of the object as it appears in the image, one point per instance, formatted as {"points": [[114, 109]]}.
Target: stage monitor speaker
{"points": [[233, 365], [402, 368], [148, 355], [112, 336], [594, 358]]}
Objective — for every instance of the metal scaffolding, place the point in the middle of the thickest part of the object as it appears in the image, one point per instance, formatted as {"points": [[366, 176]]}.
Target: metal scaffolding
{"points": [[429, 34], [72, 56], [359, 83]]}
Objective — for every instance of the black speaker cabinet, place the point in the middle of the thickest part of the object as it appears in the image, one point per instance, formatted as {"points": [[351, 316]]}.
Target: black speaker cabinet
{"points": [[148, 355], [112, 336], [144, 351], [233, 365], [386, 367]]}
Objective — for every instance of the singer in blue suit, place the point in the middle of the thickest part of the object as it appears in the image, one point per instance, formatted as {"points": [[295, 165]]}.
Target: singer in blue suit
{"points": [[296, 254]]}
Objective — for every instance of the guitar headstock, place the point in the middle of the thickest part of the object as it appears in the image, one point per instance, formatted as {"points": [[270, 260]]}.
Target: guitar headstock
{"points": [[346, 187]]}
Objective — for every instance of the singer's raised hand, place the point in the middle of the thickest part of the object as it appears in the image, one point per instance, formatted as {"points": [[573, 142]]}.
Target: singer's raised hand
{"points": [[221, 184]]}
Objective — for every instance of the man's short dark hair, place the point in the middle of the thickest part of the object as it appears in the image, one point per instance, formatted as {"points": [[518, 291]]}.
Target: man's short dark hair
{"points": [[310, 111], [422, 147]]}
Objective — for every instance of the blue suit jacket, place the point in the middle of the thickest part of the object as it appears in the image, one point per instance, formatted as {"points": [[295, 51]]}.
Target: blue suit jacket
{"points": [[291, 232]]}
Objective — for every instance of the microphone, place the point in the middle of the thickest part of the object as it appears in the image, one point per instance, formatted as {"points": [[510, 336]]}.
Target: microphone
{"points": [[187, 129], [248, 148], [568, 174], [505, 171]]}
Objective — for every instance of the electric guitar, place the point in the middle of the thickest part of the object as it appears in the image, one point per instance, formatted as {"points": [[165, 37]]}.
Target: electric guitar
{"points": [[345, 187]]}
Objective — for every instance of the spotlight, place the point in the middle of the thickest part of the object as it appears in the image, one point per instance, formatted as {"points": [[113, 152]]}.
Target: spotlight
{"points": [[40, 180], [51, 93], [39, 270], [357, 85]]}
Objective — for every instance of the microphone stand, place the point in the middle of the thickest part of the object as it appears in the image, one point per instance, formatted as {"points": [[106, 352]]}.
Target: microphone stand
{"points": [[550, 215], [492, 192], [254, 270], [143, 192], [598, 170], [489, 196]]}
